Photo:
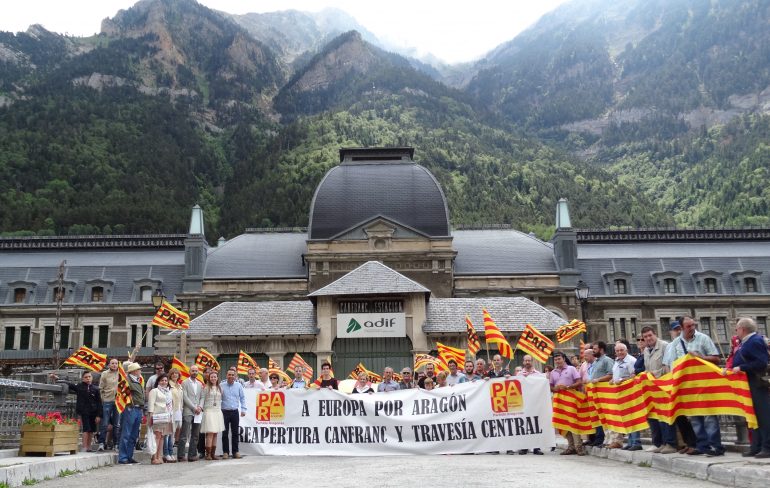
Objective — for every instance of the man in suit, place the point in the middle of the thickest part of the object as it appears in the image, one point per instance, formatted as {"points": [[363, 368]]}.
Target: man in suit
{"points": [[752, 358], [192, 398]]}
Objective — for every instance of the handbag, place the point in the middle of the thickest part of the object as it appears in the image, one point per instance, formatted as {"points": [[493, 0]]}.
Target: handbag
{"points": [[149, 443], [159, 418]]}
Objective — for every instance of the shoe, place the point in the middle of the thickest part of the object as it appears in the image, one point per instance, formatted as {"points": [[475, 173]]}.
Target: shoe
{"points": [[694, 452], [181, 460], [581, 453], [667, 450], [133, 461], [156, 462], [208, 455], [237, 455], [537, 451], [762, 455], [124, 462], [615, 445], [652, 449], [568, 452], [625, 448], [715, 453], [523, 451], [750, 453], [192, 459], [683, 450], [635, 448], [225, 456], [100, 448]]}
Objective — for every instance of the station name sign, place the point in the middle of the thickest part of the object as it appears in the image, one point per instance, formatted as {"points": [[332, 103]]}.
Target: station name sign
{"points": [[367, 325]]}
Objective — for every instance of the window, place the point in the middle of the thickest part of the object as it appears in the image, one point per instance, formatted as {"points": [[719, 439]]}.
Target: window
{"points": [[133, 335], [623, 330], [620, 287], [144, 335], [705, 325], [762, 325], [710, 285], [88, 335], [58, 293], [24, 335], [10, 337], [48, 337], [722, 329], [632, 337], [97, 294], [612, 331], [104, 334], [669, 285], [64, 337], [155, 332], [19, 295], [750, 284], [145, 294]]}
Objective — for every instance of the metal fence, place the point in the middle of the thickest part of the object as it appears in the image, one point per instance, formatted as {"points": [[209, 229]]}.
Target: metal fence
{"points": [[19, 397]]}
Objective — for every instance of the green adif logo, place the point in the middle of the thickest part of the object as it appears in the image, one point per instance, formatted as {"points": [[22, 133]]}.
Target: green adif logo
{"points": [[353, 326]]}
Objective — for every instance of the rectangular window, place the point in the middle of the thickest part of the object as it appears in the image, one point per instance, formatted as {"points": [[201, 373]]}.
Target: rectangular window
{"points": [[104, 333], [97, 294], [750, 285], [669, 285], [145, 294], [24, 335], [19, 295], [64, 337], [155, 332], [612, 330], [710, 285], [623, 330], [722, 329], [620, 287], [705, 325], [762, 325], [144, 335], [633, 330], [133, 335], [88, 336], [10, 338], [48, 337]]}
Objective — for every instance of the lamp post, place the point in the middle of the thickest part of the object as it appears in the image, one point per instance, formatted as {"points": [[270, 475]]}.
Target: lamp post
{"points": [[582, 294]]}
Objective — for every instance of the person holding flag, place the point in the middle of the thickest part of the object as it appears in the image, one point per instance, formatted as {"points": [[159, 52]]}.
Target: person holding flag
{"points": [[88, 405], [110, 425], [131, 420], [497, 370]]}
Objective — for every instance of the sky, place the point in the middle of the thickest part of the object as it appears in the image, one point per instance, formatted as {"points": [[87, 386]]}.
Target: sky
{"points": [[452, 30]]}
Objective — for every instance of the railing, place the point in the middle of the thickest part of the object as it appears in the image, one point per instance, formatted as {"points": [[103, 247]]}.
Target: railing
{"points": [[19, 397]]}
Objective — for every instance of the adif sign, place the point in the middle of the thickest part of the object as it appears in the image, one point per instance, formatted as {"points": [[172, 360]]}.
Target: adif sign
{"points": [[364, 325]]}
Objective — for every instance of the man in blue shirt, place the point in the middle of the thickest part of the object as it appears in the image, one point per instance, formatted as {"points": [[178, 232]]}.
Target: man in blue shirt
{"points": [[752, 358], [233, 400], [388, 383]]}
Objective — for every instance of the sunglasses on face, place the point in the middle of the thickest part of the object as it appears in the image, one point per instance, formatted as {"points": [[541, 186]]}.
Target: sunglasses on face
{"points": [[274, 378]]}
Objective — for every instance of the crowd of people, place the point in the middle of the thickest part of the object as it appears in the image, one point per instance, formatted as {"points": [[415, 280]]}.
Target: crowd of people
{"points": [[190, 415]]}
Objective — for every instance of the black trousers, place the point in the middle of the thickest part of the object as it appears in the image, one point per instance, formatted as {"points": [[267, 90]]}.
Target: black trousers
{"points": [[230, 435], [688, 434], [760, 395]]}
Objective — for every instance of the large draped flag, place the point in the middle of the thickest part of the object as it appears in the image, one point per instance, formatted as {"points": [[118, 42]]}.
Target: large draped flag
{"points": [[421, 360], [87, 358], [273, 368], [184, 371], [205, 359], [473, 338], [307, 370], [123, 393], [246, 362], [445, 353], [493, 336], [170, 317], [535, 343], [570, 330], [693, 387]]}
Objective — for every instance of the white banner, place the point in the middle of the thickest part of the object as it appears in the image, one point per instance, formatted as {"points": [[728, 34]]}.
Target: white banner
{"points": [[497, 415], [371, 324]]}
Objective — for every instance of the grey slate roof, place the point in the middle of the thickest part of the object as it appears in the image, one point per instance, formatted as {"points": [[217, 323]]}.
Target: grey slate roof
{"points": [[642, 259], [257, 319], [121, 267], [259, 255], [371, 278], [511, 314], [352, 193], [503, 251]]}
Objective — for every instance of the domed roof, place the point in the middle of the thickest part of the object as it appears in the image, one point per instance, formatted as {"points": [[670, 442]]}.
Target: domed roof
{"points": [[378, 182]]}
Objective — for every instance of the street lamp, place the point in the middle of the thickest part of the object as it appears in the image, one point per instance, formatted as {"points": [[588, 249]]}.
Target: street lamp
{"points": [[158, 297], [582, 293]]}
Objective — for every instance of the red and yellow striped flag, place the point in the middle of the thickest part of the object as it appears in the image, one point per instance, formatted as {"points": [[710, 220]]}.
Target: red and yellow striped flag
{"points": [[297, 360], [123, 393], [474, 345], [170, 317], [421, 360], [445, 353], [573, 412], [205, 359], [184, 371], [245, 362], [87, 358], [622, 407], [493, 336], [570, 330], [535, 343], [273, 368], [360, 368]]}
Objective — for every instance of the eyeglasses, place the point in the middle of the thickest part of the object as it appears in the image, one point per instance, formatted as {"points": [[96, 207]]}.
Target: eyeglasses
{"points": [[159, 368], [274, 378], [406, 372]]}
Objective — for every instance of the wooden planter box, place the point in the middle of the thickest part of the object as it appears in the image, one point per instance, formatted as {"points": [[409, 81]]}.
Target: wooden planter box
{"points": [[41, 439]]}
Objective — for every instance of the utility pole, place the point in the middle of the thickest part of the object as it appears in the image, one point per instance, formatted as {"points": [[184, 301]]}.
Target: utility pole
{"points": [[59, 297]]}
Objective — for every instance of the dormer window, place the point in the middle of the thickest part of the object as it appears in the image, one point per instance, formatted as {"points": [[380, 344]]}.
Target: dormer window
{"points": [[98, 290], [707, 282], [20, 292], [710, 285], [19, 295], [750, 285], [747, 281], [58, 294], [669, 285], [144, 289], [97, 294], [619, 287], [66, 292], [145, 294]]}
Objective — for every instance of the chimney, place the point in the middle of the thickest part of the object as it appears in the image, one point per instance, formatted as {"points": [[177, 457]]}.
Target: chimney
{"points": [[565, 246], [195, 250]]}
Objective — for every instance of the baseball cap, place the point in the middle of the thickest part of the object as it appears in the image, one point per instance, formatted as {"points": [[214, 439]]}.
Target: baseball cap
{"points": [[675, 325]]}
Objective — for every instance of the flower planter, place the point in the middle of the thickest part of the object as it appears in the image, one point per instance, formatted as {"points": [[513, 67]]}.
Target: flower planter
{"points": [[48, 440]]}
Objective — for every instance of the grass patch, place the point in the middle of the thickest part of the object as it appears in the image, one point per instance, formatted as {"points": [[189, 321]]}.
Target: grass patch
{"points": [[67, 472], [29, 482], [645, 464]]}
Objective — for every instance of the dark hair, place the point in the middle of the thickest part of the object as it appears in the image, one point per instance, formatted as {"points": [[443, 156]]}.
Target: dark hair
{"points": [[158, 378], [451, 361], [647, 328], [159, 363], [601, 345], [325, 364], [85, 373]]}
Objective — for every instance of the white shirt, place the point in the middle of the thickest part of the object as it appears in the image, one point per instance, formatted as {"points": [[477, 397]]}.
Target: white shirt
{"points": [[623, 369]]}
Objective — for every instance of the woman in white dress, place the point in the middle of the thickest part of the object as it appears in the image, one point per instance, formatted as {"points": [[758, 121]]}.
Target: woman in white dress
{"points": [[213, 421], [160, 415]]}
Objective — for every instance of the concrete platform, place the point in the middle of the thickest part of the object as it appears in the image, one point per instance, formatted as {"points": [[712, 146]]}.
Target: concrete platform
{"points": [[15, 469]]}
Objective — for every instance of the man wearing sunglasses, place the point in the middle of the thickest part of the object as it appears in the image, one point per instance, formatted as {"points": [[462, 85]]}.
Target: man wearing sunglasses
{"points": [[407, 382]]}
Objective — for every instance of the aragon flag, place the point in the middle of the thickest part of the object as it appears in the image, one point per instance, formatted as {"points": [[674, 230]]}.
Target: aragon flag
{"points": [[473, 338], [123, 394], [246, 362], [535, 343], [493, 336], [204, 360], [184, 370], [273, 368], [170, 317], [570, 330], [87, 358], [445, 353]]}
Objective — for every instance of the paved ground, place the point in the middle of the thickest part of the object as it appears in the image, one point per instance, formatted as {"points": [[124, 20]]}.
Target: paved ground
{"points": [[396, 471]]}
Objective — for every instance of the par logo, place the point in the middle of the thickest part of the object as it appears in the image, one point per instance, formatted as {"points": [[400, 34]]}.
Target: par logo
{"points": [[271, 406], [353, 326], [506, 396]]}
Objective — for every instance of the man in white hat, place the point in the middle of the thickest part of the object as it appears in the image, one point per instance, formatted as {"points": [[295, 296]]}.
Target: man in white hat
{"points": [[132, 415]]}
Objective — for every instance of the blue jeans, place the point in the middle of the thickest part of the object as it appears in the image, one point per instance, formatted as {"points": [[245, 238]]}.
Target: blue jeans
{"points": [[109, 416], [168, 445], [707, 434], [662, 433], [635, 439], [599, 439], [132, 422]]}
